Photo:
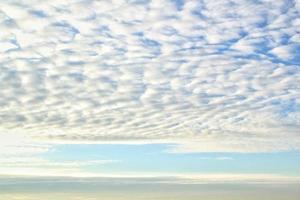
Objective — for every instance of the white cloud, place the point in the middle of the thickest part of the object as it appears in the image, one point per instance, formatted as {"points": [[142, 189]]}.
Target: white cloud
{"points": [[284, 52], [35, 162], [129, 178], [16, 144], [35, 166], [202, 75]]}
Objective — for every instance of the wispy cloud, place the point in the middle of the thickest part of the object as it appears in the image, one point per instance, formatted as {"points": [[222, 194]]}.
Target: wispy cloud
{"points": [[152, 178]]}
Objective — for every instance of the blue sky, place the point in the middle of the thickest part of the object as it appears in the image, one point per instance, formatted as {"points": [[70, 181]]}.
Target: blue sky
{"points": [[156, 158], [181, 88]]}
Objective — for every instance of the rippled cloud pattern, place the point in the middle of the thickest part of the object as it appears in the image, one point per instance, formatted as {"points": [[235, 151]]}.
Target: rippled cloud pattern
{"points": [[207, 75]]}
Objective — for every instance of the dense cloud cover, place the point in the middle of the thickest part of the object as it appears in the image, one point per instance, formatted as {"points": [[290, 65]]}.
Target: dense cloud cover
{"points": [[208, 75]]}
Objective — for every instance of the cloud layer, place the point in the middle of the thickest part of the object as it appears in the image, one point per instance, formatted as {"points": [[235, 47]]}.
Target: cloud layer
{"points": [[209, 75]]}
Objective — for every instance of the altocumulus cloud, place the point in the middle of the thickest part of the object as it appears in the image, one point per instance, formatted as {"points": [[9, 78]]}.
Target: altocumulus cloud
{"points": [[207, 75]]}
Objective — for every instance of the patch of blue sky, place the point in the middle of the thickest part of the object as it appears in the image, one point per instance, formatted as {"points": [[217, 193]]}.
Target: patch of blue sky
{"points": [[38, 13], [287, 107], [140, 2], [179, 4], [156, 158]]}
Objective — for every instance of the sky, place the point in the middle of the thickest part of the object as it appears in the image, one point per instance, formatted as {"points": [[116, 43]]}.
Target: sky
{"points": [[197, 90]]}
